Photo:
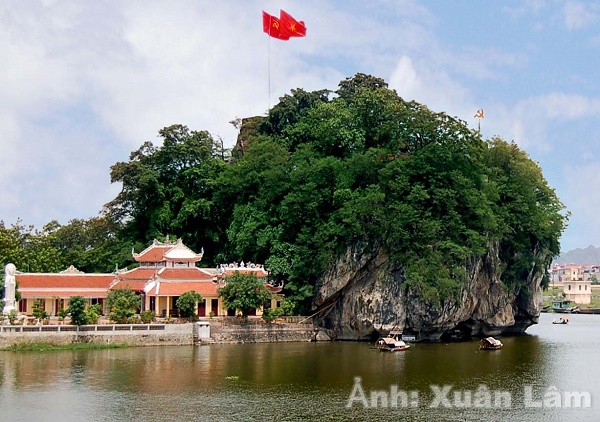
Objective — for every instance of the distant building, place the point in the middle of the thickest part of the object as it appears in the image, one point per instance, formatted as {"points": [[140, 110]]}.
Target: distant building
{"points": [[576, 281], [166, 270], [560, 273]]}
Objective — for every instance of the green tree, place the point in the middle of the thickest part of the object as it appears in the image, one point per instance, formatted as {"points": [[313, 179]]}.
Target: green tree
{"points": [[12, 240], [93, 313], [76, 309], [323, 171], [147, 316], [320, 174], [123, 304], [92, 245], [62, 314], [168, 190], [530, 215], [38, 310], [244, 292], [187, 302]]}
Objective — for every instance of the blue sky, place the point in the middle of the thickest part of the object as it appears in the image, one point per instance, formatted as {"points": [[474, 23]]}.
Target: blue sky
{"points": [[84, 83]]}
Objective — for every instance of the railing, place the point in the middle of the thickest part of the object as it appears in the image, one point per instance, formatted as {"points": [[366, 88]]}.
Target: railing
{"points": [[256, 320], [80, 328]]}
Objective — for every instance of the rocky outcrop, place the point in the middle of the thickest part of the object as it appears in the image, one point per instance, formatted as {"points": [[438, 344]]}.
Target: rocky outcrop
{"points": [[363, 295]]}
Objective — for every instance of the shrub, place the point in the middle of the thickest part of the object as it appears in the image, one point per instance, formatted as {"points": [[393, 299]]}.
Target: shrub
{"points": [[12, 316], [122, 304], [77, 310], [93, 313], [268, 315], [147, 317], [244, 292], [186, 303], [62, 314], [288, 307]]}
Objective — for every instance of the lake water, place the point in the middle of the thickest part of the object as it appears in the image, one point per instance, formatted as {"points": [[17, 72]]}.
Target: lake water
{"points": [[314, 381]]}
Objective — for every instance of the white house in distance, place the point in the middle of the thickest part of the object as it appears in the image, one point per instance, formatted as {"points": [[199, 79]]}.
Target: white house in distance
{"points": [[166, 270]]}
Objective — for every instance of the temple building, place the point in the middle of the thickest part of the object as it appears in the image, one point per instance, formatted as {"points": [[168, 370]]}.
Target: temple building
{"points": [[166, 270]]}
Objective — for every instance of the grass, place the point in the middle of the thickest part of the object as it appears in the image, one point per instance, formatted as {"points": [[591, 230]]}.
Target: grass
{"points": [[43, 347]]}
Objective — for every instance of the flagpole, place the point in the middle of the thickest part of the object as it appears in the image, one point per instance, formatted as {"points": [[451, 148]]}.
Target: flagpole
{"points": [[480, 115], [269, 64], [269, 72]]}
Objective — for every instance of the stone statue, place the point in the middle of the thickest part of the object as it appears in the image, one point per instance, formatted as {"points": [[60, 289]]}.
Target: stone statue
{"points": [[10, 285]]}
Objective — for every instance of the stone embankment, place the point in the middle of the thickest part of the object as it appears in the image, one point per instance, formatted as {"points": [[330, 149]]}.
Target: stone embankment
{"points": [[201, 332], [129, 334], [260, 333]]}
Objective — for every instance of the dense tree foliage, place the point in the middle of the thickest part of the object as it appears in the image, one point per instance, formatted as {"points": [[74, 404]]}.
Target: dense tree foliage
{"points": [[92, 245], [187, 302], [122, 304], [244, 292], [322, 171], [169, 190], [76, 310]]}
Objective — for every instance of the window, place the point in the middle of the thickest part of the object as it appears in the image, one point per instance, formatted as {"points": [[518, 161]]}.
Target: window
{"points": [[569, 287]]}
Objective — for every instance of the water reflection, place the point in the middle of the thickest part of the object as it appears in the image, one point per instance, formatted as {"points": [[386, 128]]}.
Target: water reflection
{"points": [[299, 381]]}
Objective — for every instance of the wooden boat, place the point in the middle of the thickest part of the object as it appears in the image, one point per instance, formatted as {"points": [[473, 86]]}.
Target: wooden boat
{"points": [[588, 311], [571, 310], [391, 343], [561, 320], [490, 343]]}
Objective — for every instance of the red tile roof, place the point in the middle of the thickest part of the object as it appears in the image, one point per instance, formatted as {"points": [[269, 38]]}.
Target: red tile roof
{"points": [[45, 285], [193, 273], [154, 254], [139, 273], [205, 288], [135, 285], [158, 252], [77, 281], [274, 289], [63, 294]]}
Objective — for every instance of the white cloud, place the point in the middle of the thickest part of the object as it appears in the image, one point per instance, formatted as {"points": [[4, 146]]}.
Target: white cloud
{"points": [[568, 106], [88, 82], [578, 15], [527, 122]]}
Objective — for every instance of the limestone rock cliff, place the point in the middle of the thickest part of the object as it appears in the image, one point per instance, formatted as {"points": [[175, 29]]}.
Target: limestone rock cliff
{"points": [[363, 295]]}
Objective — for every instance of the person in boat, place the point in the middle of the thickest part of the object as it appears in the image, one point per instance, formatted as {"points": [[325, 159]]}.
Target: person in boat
{"points": [[489, 343], [561, 320]]}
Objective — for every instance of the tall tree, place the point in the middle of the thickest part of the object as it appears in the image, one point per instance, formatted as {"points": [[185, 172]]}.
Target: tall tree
{"points": [[244, 292], [168, 190], [77, 310]]}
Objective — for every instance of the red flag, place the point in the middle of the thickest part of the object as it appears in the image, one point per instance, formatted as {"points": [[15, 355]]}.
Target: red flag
{"points": [[272, 26], [290, 26]]}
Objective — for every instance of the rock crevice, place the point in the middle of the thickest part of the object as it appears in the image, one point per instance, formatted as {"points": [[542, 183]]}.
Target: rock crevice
{"points": [[363, 295]]}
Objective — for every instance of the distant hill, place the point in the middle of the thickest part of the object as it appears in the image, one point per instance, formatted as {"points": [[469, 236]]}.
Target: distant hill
{"points": [[589, 255]]}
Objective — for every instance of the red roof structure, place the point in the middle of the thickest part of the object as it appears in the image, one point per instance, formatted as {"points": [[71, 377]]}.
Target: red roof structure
{"points": [[70, 282], [166, 270]]}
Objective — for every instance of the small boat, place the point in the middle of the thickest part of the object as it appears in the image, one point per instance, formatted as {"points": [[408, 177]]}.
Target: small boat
{"points": [[391, 343], [562, 307], [490, 343], [561, 320], [588, 311]]}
